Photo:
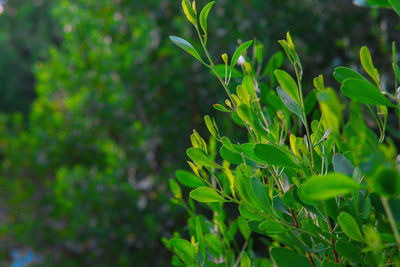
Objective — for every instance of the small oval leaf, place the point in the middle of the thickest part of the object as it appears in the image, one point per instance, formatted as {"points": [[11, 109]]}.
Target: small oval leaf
{"points": [[364, 92], [185, 45], [350, 226], [288, 84], [206, 195], [188, 179], [200, 158], [270, 227], [288, 258], [239, 51], [275, 156], [203, 17], [318, 188]]}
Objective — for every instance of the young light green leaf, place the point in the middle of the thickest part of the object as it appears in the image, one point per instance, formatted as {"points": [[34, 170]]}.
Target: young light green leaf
{"points": [[244, 113], [189, 12], [210, 126], [343, 73], [286, 258], [239, 51], [366, 62], [206, 195], [364, 92], [184, 249], [331, 109], [188, 179], [317, 188], [350, 227], [185, 45], [200, 158], [274, 155], [203, 18], [245, 260], [288, 84], [248, 85], [221, 108], [176, 190]]}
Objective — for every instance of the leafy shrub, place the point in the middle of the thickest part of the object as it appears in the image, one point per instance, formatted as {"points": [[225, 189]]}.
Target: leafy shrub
{"points": [[315, 186]]}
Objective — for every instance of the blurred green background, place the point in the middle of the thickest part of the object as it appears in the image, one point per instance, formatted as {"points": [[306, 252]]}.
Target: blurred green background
{"points": [[97, 107]]}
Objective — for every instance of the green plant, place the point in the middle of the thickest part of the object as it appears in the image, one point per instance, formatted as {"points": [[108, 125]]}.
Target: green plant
{"points": [[316, 186]]}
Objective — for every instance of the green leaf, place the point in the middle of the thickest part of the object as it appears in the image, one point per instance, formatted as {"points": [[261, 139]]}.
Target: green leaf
{"points": [[342, 164], [288, 84], [343, 73], [185, 45], [239, 51], [210, 126], [230, 155], [274, 62], [176, 190], [364, 92], [206, 195], [348, 251], [366, 62], [325, 263], [387, 182], [350, 227], [221, 108], [215, 244], [184, 249], [260, 195], [244, 113], [200, 236], [188, 179], [290, 103], [203, 18], [288, 258], [200, 158], [331, 109], [270, 227], [245, 260], [244, 227], [396, 5], [189, 12], [274, 155], [318, 188], [220, 69], [248, 85]]}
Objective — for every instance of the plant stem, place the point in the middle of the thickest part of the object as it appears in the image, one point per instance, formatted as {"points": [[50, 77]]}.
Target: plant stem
{"points": [[331, 232], [212, 66], [310, 146], [391, 220], [240, 254]]}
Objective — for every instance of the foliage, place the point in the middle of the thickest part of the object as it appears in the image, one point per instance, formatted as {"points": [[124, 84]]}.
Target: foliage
{"points": [[313, 183]]}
